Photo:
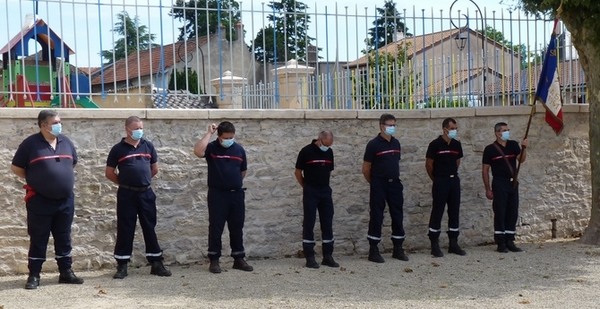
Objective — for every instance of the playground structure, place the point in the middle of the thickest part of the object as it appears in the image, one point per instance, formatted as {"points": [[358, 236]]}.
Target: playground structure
{"points": [[44, 79]]}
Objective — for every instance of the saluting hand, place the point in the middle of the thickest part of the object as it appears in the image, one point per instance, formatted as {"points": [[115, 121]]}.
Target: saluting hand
{"points": [[212, 128]]}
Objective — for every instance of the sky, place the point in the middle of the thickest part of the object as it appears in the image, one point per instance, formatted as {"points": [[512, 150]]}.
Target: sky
{"points": [[340, 27]]}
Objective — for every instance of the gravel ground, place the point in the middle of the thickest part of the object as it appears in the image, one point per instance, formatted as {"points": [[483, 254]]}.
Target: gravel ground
{"points": [[556, 274]]}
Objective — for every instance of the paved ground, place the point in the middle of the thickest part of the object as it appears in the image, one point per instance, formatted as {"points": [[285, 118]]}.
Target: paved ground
{"points": [[558, 274]]}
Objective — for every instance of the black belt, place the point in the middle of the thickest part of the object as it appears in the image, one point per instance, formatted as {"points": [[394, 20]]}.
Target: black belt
{"points": [[447, 176], [137, 189]]}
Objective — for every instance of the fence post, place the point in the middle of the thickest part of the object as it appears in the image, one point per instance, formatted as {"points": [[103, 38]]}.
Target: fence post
{"points": [[230, 96], [291, 79]]}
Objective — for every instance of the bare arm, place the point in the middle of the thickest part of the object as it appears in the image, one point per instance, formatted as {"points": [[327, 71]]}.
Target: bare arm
{"points": [[110, 173], [154, 169], [366, 170], [457, 163], [243, 174], [18, 171], [299, 177], [485, 174], [429, 167], [201, 144]]}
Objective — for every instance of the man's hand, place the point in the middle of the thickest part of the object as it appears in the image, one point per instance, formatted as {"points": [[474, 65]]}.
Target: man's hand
{"points": [[212, 128], [524, 143], [489, 194]]}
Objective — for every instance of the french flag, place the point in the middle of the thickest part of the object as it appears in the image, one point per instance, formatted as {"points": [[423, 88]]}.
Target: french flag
{"points": [[548, 89]]}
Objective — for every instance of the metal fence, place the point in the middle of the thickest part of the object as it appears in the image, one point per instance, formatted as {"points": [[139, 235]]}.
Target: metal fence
{"points": [[132, 53]]}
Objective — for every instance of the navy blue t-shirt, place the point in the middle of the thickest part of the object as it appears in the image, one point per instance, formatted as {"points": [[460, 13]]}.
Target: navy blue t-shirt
{"points": [[133, 162], [225, 165], [316, 164], [48, 171], [493, 157], [444, 156], [384, 157]]}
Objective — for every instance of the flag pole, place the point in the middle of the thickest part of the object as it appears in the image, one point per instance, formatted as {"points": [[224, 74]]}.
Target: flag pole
{"points": [[531, 113]]}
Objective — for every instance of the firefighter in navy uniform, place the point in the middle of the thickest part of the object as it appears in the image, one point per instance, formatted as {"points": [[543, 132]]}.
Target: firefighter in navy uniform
{"points": [[46, 160], [136, 161], [441, 162], [501, 156], [313, 171], [381, 169], [227, 166]]}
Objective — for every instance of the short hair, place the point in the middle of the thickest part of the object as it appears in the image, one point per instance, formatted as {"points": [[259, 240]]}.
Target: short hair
{"points": [[45, 114], [386, 117], [499, 125], [225, 127], [132, 119], [325, 133], [447, 122]]}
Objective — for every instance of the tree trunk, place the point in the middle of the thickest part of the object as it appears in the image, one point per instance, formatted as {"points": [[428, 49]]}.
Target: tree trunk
{"points": [[589, 56]]}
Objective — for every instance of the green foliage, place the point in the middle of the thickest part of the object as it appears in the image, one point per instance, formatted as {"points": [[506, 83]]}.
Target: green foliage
{"points": [[386, 26], [201, 18], [387, 82], [182, 80], [134, 37], [527, 58], [286, 35]]}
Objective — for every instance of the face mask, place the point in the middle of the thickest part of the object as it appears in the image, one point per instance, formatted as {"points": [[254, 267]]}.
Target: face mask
{"points": [[56, 129], [323, 148], [137, 134], [390, 130], [227, 142], [505, 135], [452, 134]]}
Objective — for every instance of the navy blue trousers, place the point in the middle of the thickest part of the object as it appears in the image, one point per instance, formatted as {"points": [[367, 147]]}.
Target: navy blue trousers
{"points": [[506, 209], [226, 206], [132, 205], [45, 216], [445, 190], [382, 191], [317, 198]]}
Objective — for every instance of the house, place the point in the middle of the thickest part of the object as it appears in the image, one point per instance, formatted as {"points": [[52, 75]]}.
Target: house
{"points": [[450, 65], [136, 80]]}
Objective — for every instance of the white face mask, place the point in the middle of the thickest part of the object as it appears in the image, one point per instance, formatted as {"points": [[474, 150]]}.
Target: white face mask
{"points": [[452, 134], [505, 135]]}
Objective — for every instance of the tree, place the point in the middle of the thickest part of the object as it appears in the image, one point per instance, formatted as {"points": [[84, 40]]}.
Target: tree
{"points": [[201, 18], [386, 27], [585, 34], [134, 37], [286, 35], [182, 80], [386, 82]]}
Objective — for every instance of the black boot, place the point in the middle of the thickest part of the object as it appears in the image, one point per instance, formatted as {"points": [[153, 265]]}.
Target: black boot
{"points": [[68, 276], [33, 281], [240, 263], [329, 261], [374, 255], [311, 262], [398, 252], [121, 271], [159, 269], [435, 246], [455, 248], [214, 267], [309, 254], [502, 247], [510, 245]]}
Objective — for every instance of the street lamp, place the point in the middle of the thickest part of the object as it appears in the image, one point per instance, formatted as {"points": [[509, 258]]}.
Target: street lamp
{"points": [[461, 40], [458, 38]]}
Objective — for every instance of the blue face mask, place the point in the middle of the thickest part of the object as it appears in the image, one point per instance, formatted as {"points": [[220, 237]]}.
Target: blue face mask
{"points": [[227, 142], [390, 130], [505, 135], [452, 134], [323, 148], [137, 134], [56, 129]]}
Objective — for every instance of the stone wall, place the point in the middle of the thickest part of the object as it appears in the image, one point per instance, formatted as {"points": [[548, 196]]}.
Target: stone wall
{"points": [[555, 180]]}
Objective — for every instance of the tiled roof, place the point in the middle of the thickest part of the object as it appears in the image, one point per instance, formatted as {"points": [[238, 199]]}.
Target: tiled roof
{"points": [[147, 62], [181, 99]]}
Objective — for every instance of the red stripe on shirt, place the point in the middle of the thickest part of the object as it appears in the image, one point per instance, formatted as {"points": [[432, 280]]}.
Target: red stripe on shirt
{"points": [[50, 157], [391, 151], [319, 161], [145, 155], [500, 157], [448, 151], [226, 157]]}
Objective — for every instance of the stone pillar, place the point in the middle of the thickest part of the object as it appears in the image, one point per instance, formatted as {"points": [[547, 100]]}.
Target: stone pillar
{"points": [[292, 80], [230, 95]]}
